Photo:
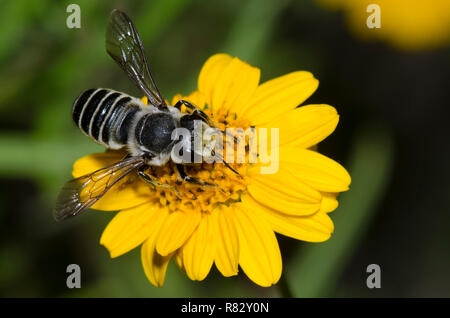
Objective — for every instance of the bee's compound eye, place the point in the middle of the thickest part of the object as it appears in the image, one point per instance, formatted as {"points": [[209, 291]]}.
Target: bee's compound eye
{"points": [[154, 131]]}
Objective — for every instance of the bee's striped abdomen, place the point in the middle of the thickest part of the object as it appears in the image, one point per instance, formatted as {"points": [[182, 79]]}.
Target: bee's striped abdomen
{"points": [[108, 125], [90, 108], [105, 115], [100, 115], [79, 104]]}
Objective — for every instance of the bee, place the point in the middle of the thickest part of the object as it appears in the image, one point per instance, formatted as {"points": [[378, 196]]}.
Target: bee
{"points": [[117, 120]]}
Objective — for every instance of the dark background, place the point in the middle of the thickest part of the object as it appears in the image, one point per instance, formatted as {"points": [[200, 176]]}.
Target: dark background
{"points": [[392, 137]]}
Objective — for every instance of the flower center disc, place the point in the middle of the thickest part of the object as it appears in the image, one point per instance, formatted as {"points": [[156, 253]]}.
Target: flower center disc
{"points": [[226, 186]]}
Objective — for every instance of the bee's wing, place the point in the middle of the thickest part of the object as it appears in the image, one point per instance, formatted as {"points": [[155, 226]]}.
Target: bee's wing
{"points": [[79, 194], [124, 45]]}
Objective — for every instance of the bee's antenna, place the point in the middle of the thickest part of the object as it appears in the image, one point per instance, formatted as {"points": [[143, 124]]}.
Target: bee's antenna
{"points": [[223, 161]]}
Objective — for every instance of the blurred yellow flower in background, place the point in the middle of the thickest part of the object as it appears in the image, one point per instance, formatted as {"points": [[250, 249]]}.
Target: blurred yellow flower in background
{"points": [[233, 224], [405, 24]]}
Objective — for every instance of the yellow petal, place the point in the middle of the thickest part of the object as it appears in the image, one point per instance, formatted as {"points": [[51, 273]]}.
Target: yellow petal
{"points": [[210, 73], [227, 247], [125, 194], [129, 228], [178, 256], [285, 186], [316, 170], [198, 251], [282, 202], [177, 228], [235, 85], [259, 254], [306, 126], [329, 202], [312, 228], [155, 265], [279, 95]]}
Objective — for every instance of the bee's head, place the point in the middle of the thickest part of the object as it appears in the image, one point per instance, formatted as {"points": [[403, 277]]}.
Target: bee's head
{"points": [[196, 141]]}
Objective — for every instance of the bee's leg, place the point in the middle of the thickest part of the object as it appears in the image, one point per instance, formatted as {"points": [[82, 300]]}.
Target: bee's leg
{"points": [[195, 110], [185, 103], [150, 180], [183, 175]]}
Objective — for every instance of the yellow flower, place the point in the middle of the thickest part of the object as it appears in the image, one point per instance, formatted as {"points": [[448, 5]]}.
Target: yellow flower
{"points": [[409, 25], [233, 224]]}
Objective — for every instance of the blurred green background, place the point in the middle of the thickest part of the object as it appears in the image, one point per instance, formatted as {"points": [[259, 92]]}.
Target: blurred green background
{"points": [[392, 137]]}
